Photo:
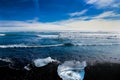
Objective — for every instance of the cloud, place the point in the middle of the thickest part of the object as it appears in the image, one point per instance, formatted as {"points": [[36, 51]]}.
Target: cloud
{"points": [[78, 13], [117, 5], [92, 25], [86, 23], [101, 3], [36, 19], [74, 24], [28, 26], [91, 1], [107, 14]]}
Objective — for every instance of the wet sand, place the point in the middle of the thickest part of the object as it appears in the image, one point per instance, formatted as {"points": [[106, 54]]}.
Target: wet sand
{"points": [[103, 71], [99, 71]]}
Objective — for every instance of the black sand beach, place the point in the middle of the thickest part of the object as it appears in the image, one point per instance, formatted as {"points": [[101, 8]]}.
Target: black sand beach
{"points": [[100, 71], [103, 71]]}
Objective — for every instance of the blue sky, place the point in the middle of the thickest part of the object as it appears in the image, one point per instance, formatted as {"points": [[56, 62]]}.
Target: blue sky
{"points": [[59, 12]]}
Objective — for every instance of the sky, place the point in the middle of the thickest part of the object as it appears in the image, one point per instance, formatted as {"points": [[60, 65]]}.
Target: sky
{"points": [[37, 15]]}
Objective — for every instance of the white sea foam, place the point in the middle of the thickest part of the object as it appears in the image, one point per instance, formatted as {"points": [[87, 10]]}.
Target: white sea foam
{"points": [[73, 35], [29, 46], [48, 36], [43, 62], [72, 70], [5, 60], [96, 44], [15, 46], [2, 34], [57, 45]]}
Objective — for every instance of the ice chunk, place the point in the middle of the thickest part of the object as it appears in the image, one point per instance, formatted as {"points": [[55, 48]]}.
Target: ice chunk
{"points": [[43, 62], [27, 67], [72, 70]]}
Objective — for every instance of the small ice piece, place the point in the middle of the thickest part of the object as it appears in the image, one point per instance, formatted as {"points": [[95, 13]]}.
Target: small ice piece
{"points": [[43, 62], [72, 70], [27, 67]]}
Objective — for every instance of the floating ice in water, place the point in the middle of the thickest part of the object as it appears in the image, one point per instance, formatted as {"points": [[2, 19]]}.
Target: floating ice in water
{"points": [[72, 70], [43, 62]]}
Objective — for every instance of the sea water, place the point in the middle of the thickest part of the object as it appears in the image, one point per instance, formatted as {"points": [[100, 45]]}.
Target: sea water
{"points": [[91, 47], [88, 46]]}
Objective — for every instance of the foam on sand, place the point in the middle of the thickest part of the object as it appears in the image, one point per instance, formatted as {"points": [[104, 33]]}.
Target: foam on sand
{"points": [[5, 60], [43, 62], [72, 70]]}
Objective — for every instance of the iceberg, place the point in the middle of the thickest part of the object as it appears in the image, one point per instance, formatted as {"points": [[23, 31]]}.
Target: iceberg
{"points": [[72, 70]]}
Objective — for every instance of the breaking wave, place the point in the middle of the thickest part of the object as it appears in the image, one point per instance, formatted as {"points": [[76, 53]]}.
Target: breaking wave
{"points": [[90, 35], [5, 60], [28, 46], [48, 36], [57, 45], [2, 34], [98, 44], [81, 36]]}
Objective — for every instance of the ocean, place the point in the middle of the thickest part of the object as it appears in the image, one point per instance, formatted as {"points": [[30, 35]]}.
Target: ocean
{"points": [[92, 47]]}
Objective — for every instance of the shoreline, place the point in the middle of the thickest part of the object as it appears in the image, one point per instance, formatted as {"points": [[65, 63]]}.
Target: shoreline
{"points": [[98, 71]]}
